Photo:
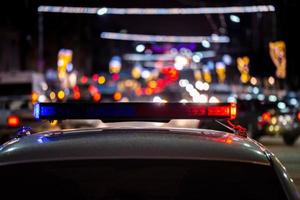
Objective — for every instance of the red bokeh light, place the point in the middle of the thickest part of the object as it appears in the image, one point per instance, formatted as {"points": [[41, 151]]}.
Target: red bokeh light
{"points": [[76, 95], [84, 79], [13, 121], [266, 117], [96, 97], [95, 77], [115, 77]]}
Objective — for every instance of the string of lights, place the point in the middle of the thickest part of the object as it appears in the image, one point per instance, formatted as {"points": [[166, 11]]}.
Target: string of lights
{"points": [[162, 57], [165, 38], [157, 11]]}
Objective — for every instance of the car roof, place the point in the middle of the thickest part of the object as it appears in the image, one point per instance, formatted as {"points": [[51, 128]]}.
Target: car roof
{"points": [[115, 142]]}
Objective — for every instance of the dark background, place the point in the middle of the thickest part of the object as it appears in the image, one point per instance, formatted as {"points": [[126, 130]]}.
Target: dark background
{"points": [[81, 33]]}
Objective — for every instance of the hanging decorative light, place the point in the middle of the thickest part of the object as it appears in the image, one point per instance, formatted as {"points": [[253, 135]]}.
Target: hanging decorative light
{"points": [[277, 52]]}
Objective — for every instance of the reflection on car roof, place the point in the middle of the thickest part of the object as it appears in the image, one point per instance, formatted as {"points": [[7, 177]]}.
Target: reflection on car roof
{"points": [[132, 143]]}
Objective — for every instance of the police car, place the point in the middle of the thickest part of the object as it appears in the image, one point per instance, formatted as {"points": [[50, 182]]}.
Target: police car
{"points": [[140, 160]]}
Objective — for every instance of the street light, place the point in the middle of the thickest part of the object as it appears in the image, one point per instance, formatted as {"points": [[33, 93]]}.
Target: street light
{"points": [[235, 18], [140, 48], [205, 44], [102, 11]]}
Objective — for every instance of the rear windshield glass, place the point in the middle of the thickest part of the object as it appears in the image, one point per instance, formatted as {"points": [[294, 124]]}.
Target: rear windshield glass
{"points": [[141, 179]]}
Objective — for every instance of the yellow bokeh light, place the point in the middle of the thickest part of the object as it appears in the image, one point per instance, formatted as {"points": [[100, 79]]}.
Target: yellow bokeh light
{"points": [[34, 97], [253, 81], [53, 123], [273, 120], [277, 128], [136, 73], [271, 80], [245, 77], [101, 80], [221, 72], [152, 84], [61, 95], [197, 75], [207, 76], [52, 95], [243, 67], [64, 58], [271, 128]]}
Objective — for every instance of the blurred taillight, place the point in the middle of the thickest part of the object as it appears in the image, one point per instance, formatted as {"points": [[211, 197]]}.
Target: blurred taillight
{"points": [[266, 117], [298, 116], [34, 97], [13, 121], [92, 89], [95, 77], [76, 95], [84, 79], [96, 97], [117, 96]]}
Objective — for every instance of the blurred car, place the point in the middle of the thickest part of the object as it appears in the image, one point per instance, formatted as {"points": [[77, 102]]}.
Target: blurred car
{"points": [[278, 122], [264, 118], [140, 160], [18, 92], [249, 112]]}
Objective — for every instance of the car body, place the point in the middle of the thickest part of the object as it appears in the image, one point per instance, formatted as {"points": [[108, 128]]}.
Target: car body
{"points": [[142, 160]]}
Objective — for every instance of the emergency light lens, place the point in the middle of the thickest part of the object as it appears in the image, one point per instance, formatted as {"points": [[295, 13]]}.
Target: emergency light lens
{"points": [[233, 111], [36, 111], [222, 111], [133, 111]]}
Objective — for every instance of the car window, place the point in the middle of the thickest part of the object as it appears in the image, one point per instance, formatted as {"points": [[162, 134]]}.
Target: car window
{"points": [[142, 179]]}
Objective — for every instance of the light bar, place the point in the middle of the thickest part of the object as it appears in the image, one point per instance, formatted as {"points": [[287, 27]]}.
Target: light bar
{"points": [[133, 111], [157, 11], [164, 38]]}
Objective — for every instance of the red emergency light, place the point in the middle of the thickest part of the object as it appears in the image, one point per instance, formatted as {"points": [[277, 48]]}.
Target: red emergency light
{"points": [[222, 111]]}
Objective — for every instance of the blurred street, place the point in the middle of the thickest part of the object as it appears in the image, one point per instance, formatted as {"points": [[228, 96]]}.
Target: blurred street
{"points": [[289, 156]]}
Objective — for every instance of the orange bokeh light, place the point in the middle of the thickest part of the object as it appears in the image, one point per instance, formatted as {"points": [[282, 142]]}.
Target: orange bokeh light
{"points": [[13, 121], [97, 97], [117, 96]]}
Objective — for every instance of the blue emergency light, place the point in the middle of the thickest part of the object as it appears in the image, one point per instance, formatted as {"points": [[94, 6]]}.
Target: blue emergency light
{"points": [[133, 111]]}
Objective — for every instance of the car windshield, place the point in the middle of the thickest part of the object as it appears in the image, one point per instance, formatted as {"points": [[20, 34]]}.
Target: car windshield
{"points": [[142, 179]]}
